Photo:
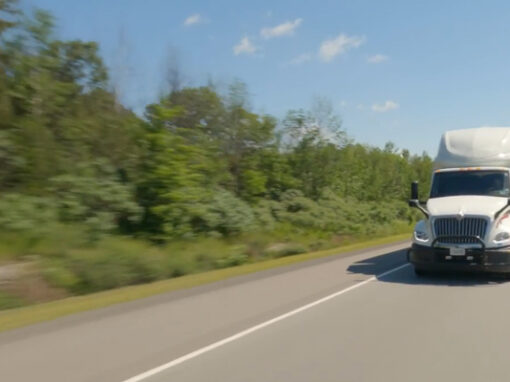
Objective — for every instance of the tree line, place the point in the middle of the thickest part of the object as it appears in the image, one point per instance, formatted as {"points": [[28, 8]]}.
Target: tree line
{"points": [[198, 162]]}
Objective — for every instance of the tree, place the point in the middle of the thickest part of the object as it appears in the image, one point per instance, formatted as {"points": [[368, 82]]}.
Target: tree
{"points": [[176, 178], [316, 139], [244, 134], [173, 76], [319, 124], [8, 10], [194, 108], [199, 163]]}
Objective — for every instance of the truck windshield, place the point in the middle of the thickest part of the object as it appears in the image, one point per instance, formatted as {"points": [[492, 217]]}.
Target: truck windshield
{"points": [[482, 182]]}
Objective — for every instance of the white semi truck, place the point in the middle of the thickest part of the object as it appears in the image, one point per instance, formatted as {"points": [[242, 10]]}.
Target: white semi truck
{"points": [[466, 225]]}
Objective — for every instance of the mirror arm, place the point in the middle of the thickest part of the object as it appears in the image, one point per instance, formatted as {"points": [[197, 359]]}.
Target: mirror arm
{"points": [[417, 204], [496, 215]]}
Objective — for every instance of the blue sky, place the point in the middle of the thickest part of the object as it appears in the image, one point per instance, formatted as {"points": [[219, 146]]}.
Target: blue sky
{"points": [[401, 71]]}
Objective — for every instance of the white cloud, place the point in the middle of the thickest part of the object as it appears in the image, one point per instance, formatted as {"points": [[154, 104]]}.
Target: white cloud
{"points": [[193, 19], [285, 29], [387, 106], [329, 49], [245, 46], [343, 103], [301, 59], [377, 59]]}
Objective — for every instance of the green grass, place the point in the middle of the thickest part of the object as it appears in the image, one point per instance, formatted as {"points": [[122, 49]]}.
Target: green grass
{"points": [[20, 317], [8, 301], [67, 261]]}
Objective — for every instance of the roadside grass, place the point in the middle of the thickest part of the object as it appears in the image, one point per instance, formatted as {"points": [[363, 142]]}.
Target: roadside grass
{"points": [[67, 261], [8, 301], [20, 317]]}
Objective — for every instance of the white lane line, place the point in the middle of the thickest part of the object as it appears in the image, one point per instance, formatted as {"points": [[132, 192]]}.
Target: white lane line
{"points": [[215, 345]]}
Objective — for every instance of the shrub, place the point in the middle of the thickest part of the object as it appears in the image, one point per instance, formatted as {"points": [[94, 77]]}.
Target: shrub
{"points": [[9, 301], [24, 213], [263, 214], [94, 196], [114, 263], [225, 213], [235, 256], [57, 275], [285, 249], [179, 264], [24, 221], [232, 260]]}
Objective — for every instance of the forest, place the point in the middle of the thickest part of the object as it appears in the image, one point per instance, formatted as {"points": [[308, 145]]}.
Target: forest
{"points": [[94, 196]]}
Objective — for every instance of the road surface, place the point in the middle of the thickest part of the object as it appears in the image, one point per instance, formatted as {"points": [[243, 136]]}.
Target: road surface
{"points": [[326, 320]]}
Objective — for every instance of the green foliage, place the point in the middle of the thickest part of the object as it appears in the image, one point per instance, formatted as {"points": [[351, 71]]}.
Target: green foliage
{"points": [[234, 256], [9, 301], [67, 261], [226, 214], [23, 213], [200, 164], [78, 170], [50, 240], [285, 249], [94, 196], [264, 214], [58, 275], [191, 108], [11, 161], [8, 10], [112, 264], [175, 182]]}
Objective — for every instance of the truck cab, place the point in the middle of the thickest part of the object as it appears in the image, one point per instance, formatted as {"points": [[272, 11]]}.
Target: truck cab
{"points": [[466, 224]]}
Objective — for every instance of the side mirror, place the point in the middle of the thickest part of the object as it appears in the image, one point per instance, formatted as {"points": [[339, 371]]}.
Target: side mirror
{"points": [[415, 201], [414, 190]]}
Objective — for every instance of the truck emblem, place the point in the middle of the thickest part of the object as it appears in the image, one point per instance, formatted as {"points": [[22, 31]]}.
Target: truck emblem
{"points": [[460, 215]]}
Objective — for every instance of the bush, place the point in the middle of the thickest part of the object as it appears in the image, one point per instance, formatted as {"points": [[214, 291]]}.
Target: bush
{"points": [[24, 213], [95, 197], [225, 213], [203, 254], [114, 263], [232, 260], [285, 249], [57, 275], [263, 213], [24, 222], [52, 240], [179, 264], [236, 256], [9, 301]]}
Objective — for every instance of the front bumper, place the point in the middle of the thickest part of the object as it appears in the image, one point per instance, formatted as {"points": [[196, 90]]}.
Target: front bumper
{"points": [[480, 259]]}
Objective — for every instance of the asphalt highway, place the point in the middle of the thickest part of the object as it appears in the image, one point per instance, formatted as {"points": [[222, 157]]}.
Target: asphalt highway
{"points": [[361, 316]]}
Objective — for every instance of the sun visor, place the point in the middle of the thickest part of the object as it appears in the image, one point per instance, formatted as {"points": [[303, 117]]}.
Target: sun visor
{"points": [[483, 146]]}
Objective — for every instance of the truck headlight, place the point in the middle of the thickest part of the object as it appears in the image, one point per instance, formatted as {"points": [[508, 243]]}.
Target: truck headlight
{"points": [[421, 236], [501, 237]]}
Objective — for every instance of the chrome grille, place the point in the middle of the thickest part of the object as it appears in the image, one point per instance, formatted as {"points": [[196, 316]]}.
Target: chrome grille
{"points": [[467, 226]]}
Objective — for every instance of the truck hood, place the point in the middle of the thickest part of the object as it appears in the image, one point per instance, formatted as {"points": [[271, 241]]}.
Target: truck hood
{"points": [[466, 205]]}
